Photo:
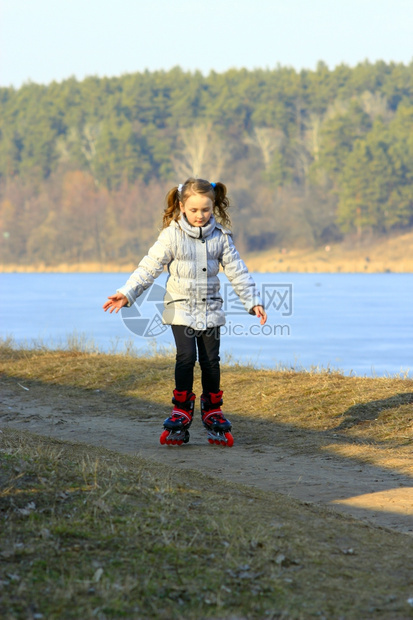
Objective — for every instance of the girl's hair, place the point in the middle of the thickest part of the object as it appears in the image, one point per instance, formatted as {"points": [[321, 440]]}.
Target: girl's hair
{"points": [[216, 191]]}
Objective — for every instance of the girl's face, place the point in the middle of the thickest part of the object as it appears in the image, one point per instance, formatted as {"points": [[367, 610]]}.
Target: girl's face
{"points": [[198, 209]]}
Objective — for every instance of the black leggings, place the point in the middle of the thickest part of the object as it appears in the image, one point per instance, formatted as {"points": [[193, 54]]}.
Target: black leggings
{"points": [[187, 341]]}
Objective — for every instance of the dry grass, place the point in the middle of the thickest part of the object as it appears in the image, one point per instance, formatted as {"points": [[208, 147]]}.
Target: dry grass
{"points": [[89, 267], [123, 537], [391, 254], [87, 533], [374, 412]]}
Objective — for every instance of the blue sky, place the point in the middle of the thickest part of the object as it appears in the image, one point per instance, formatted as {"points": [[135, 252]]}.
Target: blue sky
{"points": [[46, 40]]}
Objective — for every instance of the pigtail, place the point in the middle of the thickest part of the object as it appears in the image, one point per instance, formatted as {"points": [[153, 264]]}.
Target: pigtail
{"points": [[221, 204], [172, 210]]}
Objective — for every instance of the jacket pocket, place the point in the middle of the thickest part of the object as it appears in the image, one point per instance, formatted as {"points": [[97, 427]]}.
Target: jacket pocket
{"points": [[175, 301], [214, 304]]}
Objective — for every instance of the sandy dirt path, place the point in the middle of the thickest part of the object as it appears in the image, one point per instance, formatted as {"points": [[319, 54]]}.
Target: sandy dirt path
{"points": [[285, 461]]}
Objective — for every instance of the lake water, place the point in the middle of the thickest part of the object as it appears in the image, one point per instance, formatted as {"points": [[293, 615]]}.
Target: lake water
{"points": [[357, 323]]}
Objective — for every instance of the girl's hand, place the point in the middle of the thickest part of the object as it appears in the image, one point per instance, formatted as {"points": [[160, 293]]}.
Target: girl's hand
{"points": [[115, 302], [260, 313]]}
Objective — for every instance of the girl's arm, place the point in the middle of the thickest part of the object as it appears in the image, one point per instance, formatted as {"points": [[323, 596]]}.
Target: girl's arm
{"points": [[237, 273], [150, 267]]}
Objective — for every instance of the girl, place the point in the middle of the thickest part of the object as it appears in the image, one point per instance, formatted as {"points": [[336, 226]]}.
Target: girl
{"points": [[194, 242]]}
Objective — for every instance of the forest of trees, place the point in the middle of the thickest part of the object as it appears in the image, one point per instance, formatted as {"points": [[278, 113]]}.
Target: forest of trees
{"points": [[309, 157]]}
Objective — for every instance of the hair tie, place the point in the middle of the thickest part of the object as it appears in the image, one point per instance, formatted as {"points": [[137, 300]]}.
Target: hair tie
{"points": [[180, 186], [213, 185]]}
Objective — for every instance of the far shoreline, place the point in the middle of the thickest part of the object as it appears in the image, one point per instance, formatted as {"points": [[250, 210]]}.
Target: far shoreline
{"points": [[385, 255], [293, 265], [252, 266]]}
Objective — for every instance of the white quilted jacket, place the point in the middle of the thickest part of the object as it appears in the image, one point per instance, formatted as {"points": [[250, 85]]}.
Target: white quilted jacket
{"points": [[193, 256]]}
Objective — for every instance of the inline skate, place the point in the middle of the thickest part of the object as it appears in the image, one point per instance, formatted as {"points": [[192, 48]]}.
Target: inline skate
{"points": [[176, 427], [217, 426]]}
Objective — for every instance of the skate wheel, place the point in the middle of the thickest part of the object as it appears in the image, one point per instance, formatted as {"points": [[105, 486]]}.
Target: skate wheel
{"points": [[217, 442], [180, 442], [211, 441], [230, 440], [163, 437]]}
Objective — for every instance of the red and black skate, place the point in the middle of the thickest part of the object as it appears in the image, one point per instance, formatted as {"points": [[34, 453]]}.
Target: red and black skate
{"points": [[176, 426], [217, 426]]}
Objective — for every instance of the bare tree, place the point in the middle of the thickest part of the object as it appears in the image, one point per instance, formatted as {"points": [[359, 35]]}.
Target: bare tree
{"points": [[375, 104], [84, 140], [312, 135], [337, 108], [267, 140], [88, 141], [201, 153]]}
